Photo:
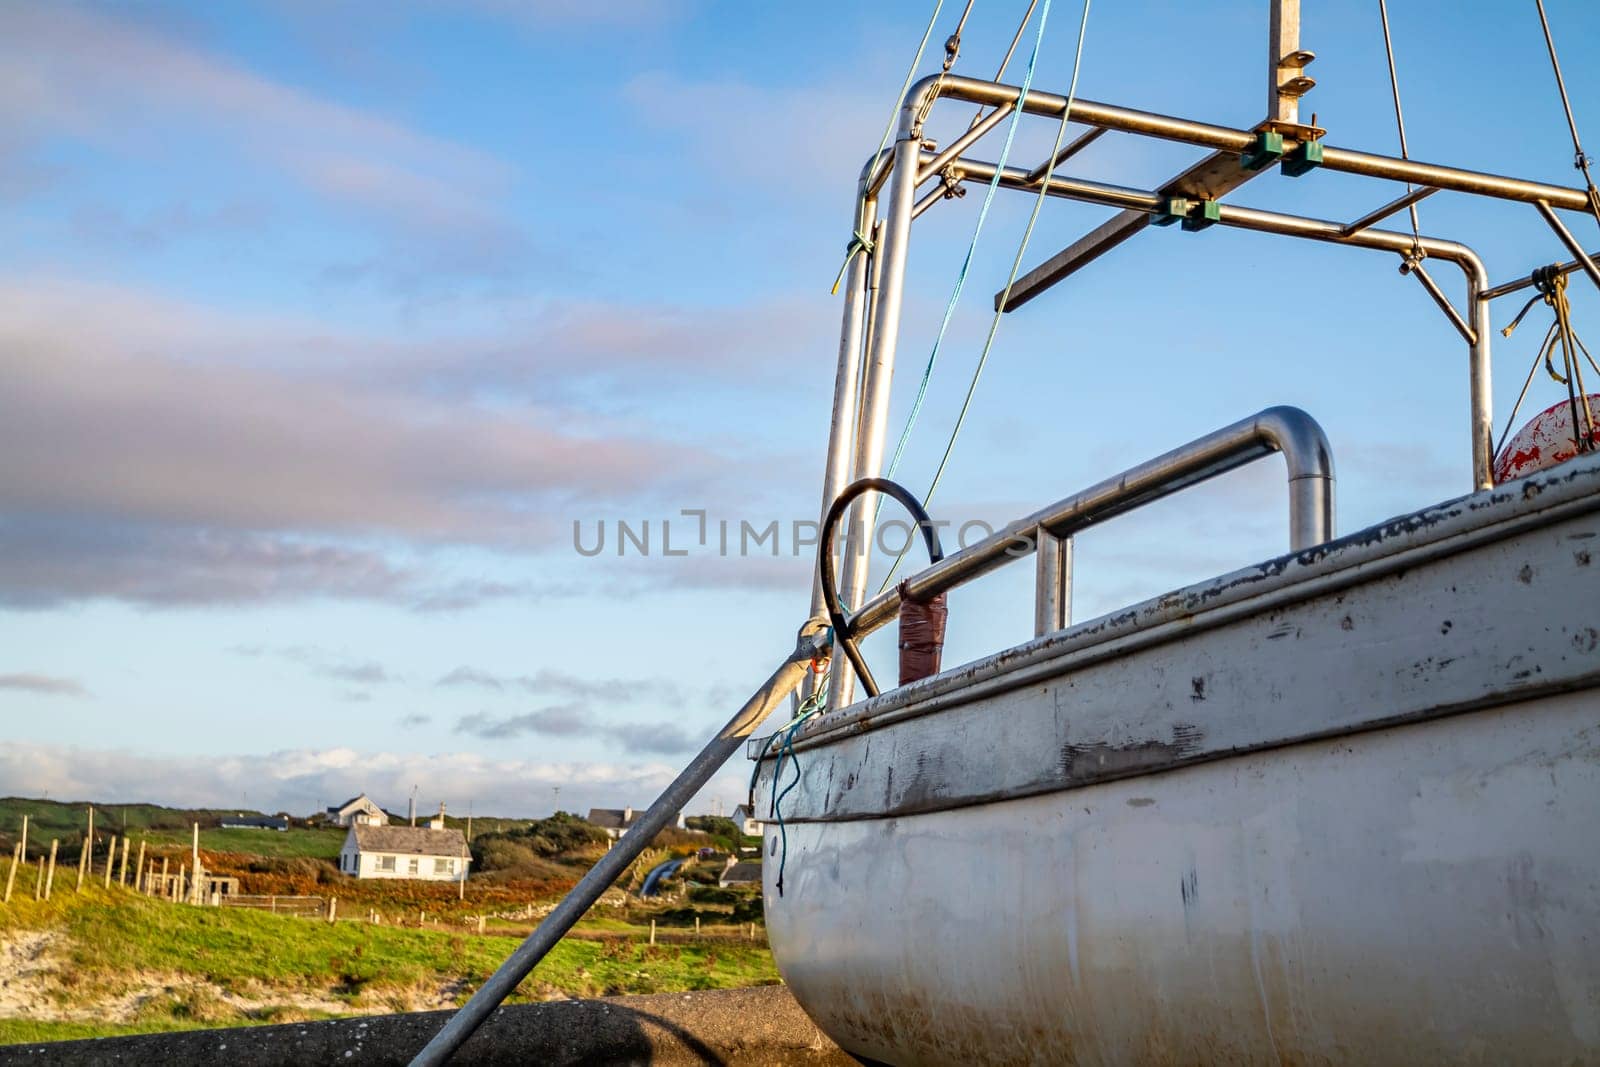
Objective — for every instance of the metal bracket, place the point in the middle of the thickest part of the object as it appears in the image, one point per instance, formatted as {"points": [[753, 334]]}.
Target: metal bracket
{"points": [[1304, 158], [1205, 213], [1267, 150]]}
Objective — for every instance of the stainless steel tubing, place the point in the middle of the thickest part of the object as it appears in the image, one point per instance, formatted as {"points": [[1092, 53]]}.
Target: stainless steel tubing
{"points": [[1570, 241], [1481, 403], [1223, 138], [842, 423], [614, 863], [1052, 583], [1277, 429], [1507, 288], [962, 143], [1399, 203], [1467, 333], [1064, 153], [878, 375]]}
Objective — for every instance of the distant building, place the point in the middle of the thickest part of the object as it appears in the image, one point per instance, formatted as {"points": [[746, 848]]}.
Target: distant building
{"points": [[745, 819], [618, 821], [255, 822], [405, 852], [739, 872], [358, 811]]}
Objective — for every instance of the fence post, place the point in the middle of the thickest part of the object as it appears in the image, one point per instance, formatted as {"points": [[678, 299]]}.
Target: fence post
{"points": [[480, 924], [272, 904], [138, 869], [333, 907], [195, 887], [11, 874], [122, 871], [652, 931], [111, 861], [24, 838], [166, 886], [697, 926], [50, 878], [38, 883]]}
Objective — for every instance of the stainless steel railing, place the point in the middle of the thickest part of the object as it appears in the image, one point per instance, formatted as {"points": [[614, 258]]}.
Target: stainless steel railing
{"points": [[1047, 533]]}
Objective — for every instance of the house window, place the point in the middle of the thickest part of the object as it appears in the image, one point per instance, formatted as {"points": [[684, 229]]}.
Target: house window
{"points": [[385, 863], [444, 866], [415, 865]]}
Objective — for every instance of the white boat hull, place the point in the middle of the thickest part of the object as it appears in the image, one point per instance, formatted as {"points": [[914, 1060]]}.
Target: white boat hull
{"points": [[1343, 808]]}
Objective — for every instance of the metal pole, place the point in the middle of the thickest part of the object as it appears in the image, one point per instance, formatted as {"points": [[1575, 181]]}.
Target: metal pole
{"points": [[884, 333], [846, 382], [1482, 417], [1224, 138], [1283, 41], [1570, 241], [1052, 597], [614, 863], [1307, 457]]}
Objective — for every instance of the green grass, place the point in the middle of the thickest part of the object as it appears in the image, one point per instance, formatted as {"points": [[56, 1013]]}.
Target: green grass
{"points": [[29, 1031], [313, 843], [115, 940]]}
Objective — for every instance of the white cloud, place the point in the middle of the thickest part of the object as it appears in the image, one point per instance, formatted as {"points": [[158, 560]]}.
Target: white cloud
{"points": [[305, 780]]}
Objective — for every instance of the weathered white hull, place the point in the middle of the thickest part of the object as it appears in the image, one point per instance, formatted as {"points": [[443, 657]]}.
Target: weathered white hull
{"points": [[1343, 808]]}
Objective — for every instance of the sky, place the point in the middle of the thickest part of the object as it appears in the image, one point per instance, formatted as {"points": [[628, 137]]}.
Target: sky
{"points": [[334, 338]]}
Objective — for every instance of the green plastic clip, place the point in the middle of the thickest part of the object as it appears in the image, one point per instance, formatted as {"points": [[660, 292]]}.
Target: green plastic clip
{"points": [[1205, 213], [1174, 210], [1306, 157], [1267, 150]]}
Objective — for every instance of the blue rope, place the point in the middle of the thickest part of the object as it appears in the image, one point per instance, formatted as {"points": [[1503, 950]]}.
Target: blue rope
{"points": [[814, 704]]}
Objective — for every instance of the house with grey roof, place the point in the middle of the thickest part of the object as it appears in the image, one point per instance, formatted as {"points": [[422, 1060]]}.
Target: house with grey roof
{"points": [[739, 872], [618, 821], [359, 810], [419, 852]]}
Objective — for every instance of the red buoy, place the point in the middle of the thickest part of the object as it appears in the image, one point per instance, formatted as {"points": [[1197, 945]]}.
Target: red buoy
{"points": [[1549, 438]]}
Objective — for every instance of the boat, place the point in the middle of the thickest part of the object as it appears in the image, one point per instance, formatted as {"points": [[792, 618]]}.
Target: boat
{"points": [[1336, 806], [1333, 807]]}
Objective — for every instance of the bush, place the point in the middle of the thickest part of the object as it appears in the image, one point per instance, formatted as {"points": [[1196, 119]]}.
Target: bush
{"points": [[561, 834]]}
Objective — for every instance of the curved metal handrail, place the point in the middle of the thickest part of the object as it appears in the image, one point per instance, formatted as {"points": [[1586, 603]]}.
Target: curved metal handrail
{"points": [[1306, 452]]}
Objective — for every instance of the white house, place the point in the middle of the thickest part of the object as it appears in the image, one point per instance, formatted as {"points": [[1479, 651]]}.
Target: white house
{"points": [[358, 811], [405, 852], [618, 821], [745, 819]]}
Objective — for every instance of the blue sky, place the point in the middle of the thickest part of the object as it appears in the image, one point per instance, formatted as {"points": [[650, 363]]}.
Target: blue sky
{"points": [[321, 325]]}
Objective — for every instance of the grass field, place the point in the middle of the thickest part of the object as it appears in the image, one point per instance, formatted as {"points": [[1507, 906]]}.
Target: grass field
{"points": [[317, 843], [105, 962]]}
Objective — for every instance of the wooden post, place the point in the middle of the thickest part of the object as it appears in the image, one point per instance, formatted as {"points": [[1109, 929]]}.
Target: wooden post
{"points": [[333, 907], [11, 874], [111, 861], [122, 871], [38, 883], [652, 931], [138, 869], [195, 887], [165, 888], [697, 926], [422, 917], [50, 877], [24, 838], [461, 887], [480, 924]]}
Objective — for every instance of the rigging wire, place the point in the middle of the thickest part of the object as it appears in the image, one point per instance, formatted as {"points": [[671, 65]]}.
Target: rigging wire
{"points": [[1400, 122], [1579, 159], [972, 246], [1005, 61], [1016, 263], [1552, 286], [859, 242]]}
